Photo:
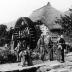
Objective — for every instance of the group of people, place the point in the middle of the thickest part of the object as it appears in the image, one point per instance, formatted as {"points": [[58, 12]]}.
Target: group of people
{"points": [[60, 47], [25, 55], [50, 47]]}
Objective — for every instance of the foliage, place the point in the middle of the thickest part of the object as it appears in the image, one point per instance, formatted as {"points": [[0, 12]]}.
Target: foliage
{"points": [[9, 33], [7, 57], [3, 34], [66, 23], [3, 30]]}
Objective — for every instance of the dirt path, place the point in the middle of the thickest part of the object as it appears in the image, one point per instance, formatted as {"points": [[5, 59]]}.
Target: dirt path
{"points": [[47, 66]]}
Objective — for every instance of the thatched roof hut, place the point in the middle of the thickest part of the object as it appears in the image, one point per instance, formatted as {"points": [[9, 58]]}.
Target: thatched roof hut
{"points": [[47, 14]]}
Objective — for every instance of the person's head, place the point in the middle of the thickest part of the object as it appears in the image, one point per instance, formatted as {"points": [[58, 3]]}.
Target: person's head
{"points": [[62, 36], [28, 47]]}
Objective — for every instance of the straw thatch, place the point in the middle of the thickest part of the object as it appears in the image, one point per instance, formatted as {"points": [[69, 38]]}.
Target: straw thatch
{"points": [[47, 14]]}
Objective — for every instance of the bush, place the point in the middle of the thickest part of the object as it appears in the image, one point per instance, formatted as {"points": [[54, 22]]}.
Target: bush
{"points": [[7, 57]]}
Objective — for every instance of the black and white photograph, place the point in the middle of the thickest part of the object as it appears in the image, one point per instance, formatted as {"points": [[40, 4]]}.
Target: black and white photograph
{"points": [[35, 35]]}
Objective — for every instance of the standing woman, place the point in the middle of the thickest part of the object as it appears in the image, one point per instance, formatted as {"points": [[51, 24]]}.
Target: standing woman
{"points": [[50, 46], [22, 56], [17, 49], [62, 43], [28, 56]]}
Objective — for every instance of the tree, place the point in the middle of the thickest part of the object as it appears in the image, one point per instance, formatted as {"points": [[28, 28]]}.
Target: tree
{"points": [[3, 33], [66, 23], [3, 30]]}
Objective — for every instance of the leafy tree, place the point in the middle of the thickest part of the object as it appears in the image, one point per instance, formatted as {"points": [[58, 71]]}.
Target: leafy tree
{"points": [[66, 23], [3, 34], [3, 30], [9, 33]]}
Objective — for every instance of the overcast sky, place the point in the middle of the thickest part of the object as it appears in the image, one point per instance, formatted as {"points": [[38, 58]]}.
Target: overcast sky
{"points": [[12, 9]]}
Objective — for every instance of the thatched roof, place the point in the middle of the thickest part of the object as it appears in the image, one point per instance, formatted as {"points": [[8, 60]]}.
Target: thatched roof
{"points": [[47, 14]]}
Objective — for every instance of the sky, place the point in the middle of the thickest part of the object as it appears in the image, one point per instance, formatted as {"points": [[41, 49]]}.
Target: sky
{"points": [[12, 9]]}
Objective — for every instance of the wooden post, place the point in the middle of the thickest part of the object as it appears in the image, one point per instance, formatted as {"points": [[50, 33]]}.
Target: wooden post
{"points": [[12, 45]]}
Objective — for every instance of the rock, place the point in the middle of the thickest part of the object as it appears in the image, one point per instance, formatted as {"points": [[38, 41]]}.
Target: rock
{"points": [[43, 69], [68, 57], [63, 70]]}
